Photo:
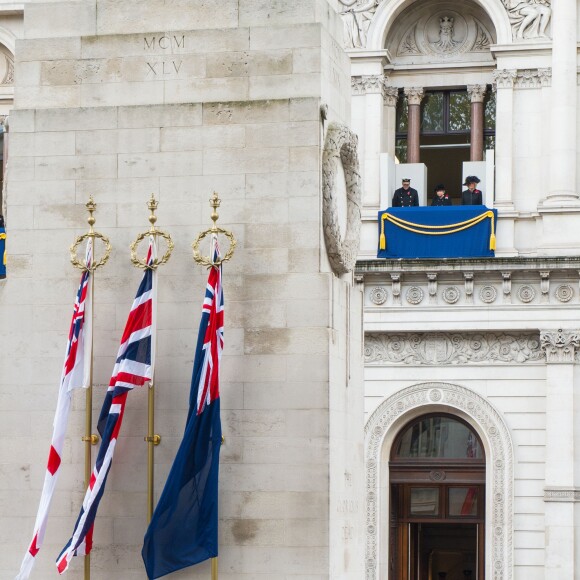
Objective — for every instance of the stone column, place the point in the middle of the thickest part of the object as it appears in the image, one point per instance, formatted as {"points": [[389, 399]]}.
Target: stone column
{"points": [[414, 97], [559, 492], [477, 95], [563, 105], [371, 120], [390, 96], [504, 80]]}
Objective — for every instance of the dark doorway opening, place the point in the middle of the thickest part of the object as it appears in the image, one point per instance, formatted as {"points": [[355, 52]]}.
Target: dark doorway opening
{"points": [[437, 501]]}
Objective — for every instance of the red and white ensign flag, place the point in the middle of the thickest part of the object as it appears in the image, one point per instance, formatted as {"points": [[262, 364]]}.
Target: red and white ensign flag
{"points": [[75, 374]]}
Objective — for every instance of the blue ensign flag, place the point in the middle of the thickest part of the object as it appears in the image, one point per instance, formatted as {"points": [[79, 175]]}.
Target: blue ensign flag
{"points": [[184, 527]]}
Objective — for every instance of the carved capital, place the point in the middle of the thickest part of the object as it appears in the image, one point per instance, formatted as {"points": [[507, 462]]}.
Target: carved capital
{"points": [[390, 96], [504, 78], [414, 95], [545, 75], [368, 84], [560, 345], [476, 93]]}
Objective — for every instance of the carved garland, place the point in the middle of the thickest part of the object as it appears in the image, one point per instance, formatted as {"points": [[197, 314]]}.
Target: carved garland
{"points": [[499, 464], [449, 348], [341, 147]]}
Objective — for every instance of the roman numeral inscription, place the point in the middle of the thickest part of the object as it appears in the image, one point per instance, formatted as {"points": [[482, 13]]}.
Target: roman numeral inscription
{"points": [[166, 43]]}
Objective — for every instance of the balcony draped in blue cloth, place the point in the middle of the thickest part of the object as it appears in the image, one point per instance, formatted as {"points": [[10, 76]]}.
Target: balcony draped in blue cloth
{"points": [[437, 232], [2, 252]]}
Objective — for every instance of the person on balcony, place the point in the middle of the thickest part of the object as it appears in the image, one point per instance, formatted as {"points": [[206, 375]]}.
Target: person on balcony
{"points": [[471, 196], [440, 197], [405, 196]]}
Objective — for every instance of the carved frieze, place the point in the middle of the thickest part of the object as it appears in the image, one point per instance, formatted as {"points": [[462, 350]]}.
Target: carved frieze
{"points": [[445, 348], [564, 293]]}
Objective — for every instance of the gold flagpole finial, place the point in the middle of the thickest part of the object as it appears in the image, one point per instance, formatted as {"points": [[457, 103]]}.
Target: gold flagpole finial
{"points": [[152, 205], [80, 263], [214, 202]]}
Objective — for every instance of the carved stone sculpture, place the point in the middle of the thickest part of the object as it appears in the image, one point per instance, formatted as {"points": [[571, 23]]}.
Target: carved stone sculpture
{"points": [[341, 147], [446, 43], [357, 19], [530, 18]]}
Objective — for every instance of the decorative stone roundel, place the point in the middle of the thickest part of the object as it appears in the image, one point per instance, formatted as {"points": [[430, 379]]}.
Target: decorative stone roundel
{"points": [[564, 293], [488, 294], [341, 147], [380, 431], [526, 294], [451, 294], [378, 295], [414, 295]]}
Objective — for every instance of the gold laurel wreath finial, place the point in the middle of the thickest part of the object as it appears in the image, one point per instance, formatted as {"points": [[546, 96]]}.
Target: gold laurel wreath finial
{"points": [[152, 205], [75, 260], [214, 202]]}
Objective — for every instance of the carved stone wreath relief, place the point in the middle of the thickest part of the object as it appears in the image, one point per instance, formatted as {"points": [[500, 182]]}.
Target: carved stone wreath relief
{"points": [[408, 404], [340, 147]]}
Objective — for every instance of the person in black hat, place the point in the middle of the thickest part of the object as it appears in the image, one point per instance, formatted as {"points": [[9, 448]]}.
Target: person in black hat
{"points": [[471, 196], [405, 196], [440, 198]]}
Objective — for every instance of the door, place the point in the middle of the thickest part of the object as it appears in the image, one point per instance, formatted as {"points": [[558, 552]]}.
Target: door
{"points": [[437, 502]]}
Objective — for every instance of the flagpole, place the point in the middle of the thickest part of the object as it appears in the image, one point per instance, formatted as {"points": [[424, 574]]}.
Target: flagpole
{"points": [[89, 437], [152, 439], [214, 202]]}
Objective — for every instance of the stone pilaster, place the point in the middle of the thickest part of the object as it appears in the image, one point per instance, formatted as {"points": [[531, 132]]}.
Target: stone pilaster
{"points": [[560, 347]]}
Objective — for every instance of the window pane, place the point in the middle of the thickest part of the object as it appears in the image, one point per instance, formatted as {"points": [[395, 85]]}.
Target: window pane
{"points": [[489, 142], [401, 150], [435, 437], [459, 111], [402, 115], [424, 501], [489, 111], [463, 501], [432, 113]]}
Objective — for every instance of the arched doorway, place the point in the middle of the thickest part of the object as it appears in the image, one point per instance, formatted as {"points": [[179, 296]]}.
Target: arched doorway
{"points": [[437, 489], [381, 431]]}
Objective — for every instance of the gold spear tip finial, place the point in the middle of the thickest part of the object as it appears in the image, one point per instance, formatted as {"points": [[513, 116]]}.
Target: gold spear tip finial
{"points": [[91, 207], [152, 204]]}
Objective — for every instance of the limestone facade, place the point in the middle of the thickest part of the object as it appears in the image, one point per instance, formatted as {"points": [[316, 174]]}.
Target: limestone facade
{"points": [[289, 111]]}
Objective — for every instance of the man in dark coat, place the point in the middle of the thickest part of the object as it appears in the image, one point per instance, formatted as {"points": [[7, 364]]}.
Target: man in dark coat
{"points": [[405, 196], [471, 196], [440, 198]]}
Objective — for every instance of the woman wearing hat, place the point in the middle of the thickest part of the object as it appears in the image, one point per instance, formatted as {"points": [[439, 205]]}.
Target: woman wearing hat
{"points": [[471, 196], [440, 197]]}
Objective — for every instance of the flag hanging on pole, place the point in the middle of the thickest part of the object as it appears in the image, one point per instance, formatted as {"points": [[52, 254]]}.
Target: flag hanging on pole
{"points": [[133, 367], [75, 374], [183, 530]]}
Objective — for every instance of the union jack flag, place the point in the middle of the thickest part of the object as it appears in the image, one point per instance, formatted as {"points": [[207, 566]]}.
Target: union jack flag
{"points": [[75, 374], [184, 527], [133, 367]]}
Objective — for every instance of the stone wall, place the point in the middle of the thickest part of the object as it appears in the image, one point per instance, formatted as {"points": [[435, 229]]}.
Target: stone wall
{"points": [[167, 104]]}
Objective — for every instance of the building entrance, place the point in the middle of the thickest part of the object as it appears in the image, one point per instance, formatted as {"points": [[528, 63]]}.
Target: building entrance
{"points": [[437, 502]]}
